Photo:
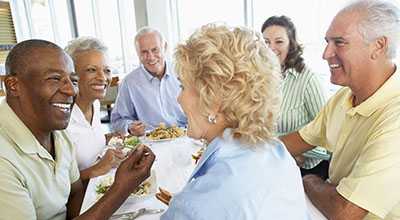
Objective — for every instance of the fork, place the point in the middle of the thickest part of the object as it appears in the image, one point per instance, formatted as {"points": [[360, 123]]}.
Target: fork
{"points": [[137, 213]]}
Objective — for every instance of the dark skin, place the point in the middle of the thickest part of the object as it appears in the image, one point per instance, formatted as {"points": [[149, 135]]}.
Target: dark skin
{"points": [[41, 94], [94, 71]]}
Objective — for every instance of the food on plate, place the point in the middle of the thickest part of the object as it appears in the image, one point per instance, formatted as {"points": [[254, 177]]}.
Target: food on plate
{"points": [[142, 190], [164, 196], [196, 156], [116, 141], [131, 142], [163, 132]]}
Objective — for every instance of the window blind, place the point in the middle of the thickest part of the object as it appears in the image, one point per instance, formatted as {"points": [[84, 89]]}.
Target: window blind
{"points": [[7, 31]]}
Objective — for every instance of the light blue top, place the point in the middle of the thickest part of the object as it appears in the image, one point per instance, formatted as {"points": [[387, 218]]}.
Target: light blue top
{"points": [[143, 97], [234, 181]]}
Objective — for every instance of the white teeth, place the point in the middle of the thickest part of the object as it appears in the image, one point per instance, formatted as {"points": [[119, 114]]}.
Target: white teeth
{"points": [[98, 87], [333, 66], [64, 107]]}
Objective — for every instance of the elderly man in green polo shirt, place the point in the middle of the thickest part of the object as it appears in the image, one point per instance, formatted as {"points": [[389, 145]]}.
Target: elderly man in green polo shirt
{"points": [[360, 124], [39, 178]]}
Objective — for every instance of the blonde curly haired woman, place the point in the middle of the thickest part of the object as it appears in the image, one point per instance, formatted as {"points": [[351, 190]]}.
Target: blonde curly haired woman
{"points": [[231, 98]]}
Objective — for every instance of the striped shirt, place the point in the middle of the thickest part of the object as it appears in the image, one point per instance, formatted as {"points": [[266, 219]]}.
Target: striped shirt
{"points": [[303, 97]]}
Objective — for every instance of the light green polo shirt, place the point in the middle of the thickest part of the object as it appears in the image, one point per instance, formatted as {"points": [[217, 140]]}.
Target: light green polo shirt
{"points": [[365, 141], [32, 184]]}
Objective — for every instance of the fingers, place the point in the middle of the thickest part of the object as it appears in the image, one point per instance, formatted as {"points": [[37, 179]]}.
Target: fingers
{"points": [[137, 128], [142, 156], [135, 155], [147, 158], [138, 125], [119, 154], [299, 160]]}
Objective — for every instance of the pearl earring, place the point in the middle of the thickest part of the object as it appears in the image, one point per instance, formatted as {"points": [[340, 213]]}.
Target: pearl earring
{"points": [[212, 119]]}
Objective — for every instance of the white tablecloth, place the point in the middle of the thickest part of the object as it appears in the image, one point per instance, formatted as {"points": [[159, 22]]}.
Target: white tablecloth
{"points": [[173, 166]]}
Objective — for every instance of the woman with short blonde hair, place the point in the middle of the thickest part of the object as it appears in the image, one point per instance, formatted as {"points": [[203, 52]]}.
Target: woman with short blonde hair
{"points": [[231, 98]]}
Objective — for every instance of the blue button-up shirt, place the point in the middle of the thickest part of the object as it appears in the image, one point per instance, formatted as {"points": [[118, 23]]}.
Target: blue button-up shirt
{"points": [[143, 97], [234, 181]]}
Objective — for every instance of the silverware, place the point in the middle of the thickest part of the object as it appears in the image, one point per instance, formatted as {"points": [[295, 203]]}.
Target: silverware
{"points": [[137, 213]]}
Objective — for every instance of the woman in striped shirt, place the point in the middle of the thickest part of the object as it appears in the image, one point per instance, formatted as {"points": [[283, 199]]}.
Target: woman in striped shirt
{"points": [[302, 92]]}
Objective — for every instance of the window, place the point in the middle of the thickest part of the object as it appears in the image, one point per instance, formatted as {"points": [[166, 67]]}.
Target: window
{"points": [[311, 28], [85, 18], [7, 36], [113, 23], [41, 22], [194, 14], [42, 19]]}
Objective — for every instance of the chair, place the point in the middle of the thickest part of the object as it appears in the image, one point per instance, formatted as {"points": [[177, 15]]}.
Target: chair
{"points": [[109, 98], [2, 87]]}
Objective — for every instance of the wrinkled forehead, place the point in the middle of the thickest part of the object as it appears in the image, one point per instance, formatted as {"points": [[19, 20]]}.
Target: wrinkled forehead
{"points": [[344, 23], [149, 41]]}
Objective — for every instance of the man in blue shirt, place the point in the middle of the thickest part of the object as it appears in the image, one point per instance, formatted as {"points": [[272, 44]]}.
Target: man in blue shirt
{"points": [[147, 96]]}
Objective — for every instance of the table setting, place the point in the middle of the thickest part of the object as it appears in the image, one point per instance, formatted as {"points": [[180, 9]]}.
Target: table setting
{"points": [[172, 167], [175, 160]]}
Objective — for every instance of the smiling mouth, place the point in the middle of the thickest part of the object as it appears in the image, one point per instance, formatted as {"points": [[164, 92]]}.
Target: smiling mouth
{"points": [[64, 107], [153, 63], [334, 66], [99, 87]]}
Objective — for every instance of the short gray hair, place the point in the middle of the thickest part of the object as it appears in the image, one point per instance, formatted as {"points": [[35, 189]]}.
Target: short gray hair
{"points": [[380, 18], [82, 44], [145, 30]]}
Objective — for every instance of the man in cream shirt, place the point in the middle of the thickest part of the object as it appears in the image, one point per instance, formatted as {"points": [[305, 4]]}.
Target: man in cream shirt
{"points": [[39, 176], [361, 123]]}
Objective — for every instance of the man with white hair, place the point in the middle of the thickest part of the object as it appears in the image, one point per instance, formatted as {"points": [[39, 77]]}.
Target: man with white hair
{"points": [[147, 95], [360, 124]]}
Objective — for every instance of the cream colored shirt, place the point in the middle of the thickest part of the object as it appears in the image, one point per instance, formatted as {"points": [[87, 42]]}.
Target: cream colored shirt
{"points": [[32, 184], [365, 141]]}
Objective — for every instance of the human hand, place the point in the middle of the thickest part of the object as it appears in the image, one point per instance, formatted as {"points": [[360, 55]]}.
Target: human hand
{"points": [[114, 134], [300, 160], [134, 169], [111, 159], [136, 128]]}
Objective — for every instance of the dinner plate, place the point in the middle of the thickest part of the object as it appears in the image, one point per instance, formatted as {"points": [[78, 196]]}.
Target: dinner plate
{"points": [[109, 178], [146, 138], [160, 140]]}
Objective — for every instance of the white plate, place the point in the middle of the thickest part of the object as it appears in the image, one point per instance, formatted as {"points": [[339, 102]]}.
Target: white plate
{"points": [[147, 139], [152, 189], [159, 140]]}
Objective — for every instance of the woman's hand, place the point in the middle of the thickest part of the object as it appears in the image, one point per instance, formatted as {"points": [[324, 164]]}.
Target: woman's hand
{"points": [[111, 159], [114, 134], [300, 160]]}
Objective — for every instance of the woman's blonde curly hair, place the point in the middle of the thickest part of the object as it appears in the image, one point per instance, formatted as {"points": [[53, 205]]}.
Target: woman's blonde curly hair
{"points": [[235, 69]]}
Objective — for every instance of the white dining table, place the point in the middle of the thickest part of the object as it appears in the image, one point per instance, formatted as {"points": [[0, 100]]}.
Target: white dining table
{"points": [[172, 168]]}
